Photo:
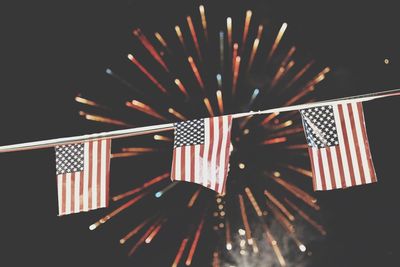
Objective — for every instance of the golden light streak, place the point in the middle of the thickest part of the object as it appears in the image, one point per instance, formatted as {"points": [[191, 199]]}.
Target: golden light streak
{"points": [[153, 181], [259, 31], [158, 137], [203, 20], [116, 211], [229, 31], [279, 205], [253, 202], [282, 125], [277, 40], [133, 231], [181, 87], [147, 73], [235, 74], [288, 56], [194, 244], [196, 72], [246, 28], [253, 53], [180, 36], [180, 252], [269, 118], [274, 244], [161, 40], [146, 43], [102, 119], [304, 196], [194, 36], [284, 222], [299, 146], [220, 102], [299, 74], [88, 102], [305, 172], [194, 198], [234, 55], [245, 221], [145, 109], [139, 149], [124, 154], [306, 217], [142, 239], [215, 259], [276, 140], [154, 232], [228, 235], [177, 114], [302, 93], [208, 106], [281, 73]]}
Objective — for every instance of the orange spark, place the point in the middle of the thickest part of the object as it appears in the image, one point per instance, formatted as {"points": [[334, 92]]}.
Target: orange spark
{"points": [[161, 40], [246, 28], [299, 146], [138, 149], [88, 102], [299, 74], [180, 252], [274, 244], [124, 154], [147, 73], [146, 43], [194, 36], [234, 55], [203, 20], [196, 72], [194, 244], [305, 172], [284, 222], [235, 74], [177, 114], [316, 225], [154, 232], [279, 205], [274, 141], [158, 137], [141, 188], [194, 198], [220, 102], [228, 235], [253, 202], [253, 53], [180, 36], [118, 210], [229, 31], [259, 31], [215, 259], [208, 106], [277, 40], [144, 108], [245, 220], [133, 231], [102, 119], [269, 118], [181, 87], [142, 239]]}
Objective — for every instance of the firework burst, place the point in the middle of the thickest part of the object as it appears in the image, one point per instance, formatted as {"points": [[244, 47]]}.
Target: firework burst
{"points": [[193, 71]]}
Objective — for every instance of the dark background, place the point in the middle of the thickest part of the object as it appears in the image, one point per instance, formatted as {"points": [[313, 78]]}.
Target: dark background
{"points": [[54, 50]]}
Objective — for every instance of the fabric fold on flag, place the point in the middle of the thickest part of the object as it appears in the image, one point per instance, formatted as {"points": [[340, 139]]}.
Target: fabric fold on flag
{"points": [[83, 176], [201, 152], [338, 146]]}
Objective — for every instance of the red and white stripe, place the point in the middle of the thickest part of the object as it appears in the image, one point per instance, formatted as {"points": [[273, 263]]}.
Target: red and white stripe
{"points": [[206, 164], [88, 189], [350, 162]]}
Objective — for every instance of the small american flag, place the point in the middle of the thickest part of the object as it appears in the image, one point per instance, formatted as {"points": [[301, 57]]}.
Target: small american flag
{"points": [[201, 152], [83, 176], [338, 146]]}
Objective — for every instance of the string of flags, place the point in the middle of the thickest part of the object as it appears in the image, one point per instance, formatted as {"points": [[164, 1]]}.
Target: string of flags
{"points": [[335, 133]]}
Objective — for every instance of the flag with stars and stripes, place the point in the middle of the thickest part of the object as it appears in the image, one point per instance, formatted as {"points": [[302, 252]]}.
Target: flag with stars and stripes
{"points": [[83, 176], [201, 152], [338, 146]]}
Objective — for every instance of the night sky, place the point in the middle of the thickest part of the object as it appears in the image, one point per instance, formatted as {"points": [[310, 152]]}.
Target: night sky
{"points": [[53, 51]]}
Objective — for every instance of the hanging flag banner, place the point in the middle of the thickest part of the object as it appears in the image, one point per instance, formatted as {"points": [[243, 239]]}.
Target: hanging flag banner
{"points": [[83, 176], [338, 146], [201, 152]]}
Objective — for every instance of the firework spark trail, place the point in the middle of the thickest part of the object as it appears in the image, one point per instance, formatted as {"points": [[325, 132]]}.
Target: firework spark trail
{"points": [[196, 72], [194, 36], [134, 231], [177, 114], [299, 146], [273, 141], [143, 238], [215, 262], [162, 42], [208, 106], [277, 40], [283, 221], [203, 21], [281, 73], [145, 109], [221, 49], [220, 102], [194, 198], [253, 202], [235, 75], [299, 74], [228, 235], [195, 241], [269, 118], [153, 234], [181, 87], [139, 149], [125, 155], [274, 244], [165, 190], [229, 32], [97, 118], [249, 237], [147, 73], [153, 181], [302, 171], [306, 217], [158, 137], [234, 55], [180, 252], [180, 37], [253, 53], [117, 211], [280, 206], [146, 43], [246, 29], [92, 103]]}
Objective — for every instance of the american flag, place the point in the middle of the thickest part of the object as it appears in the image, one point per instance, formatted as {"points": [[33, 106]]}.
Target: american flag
{"points": [[338, 146], [201, 152], [83, 176]]}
